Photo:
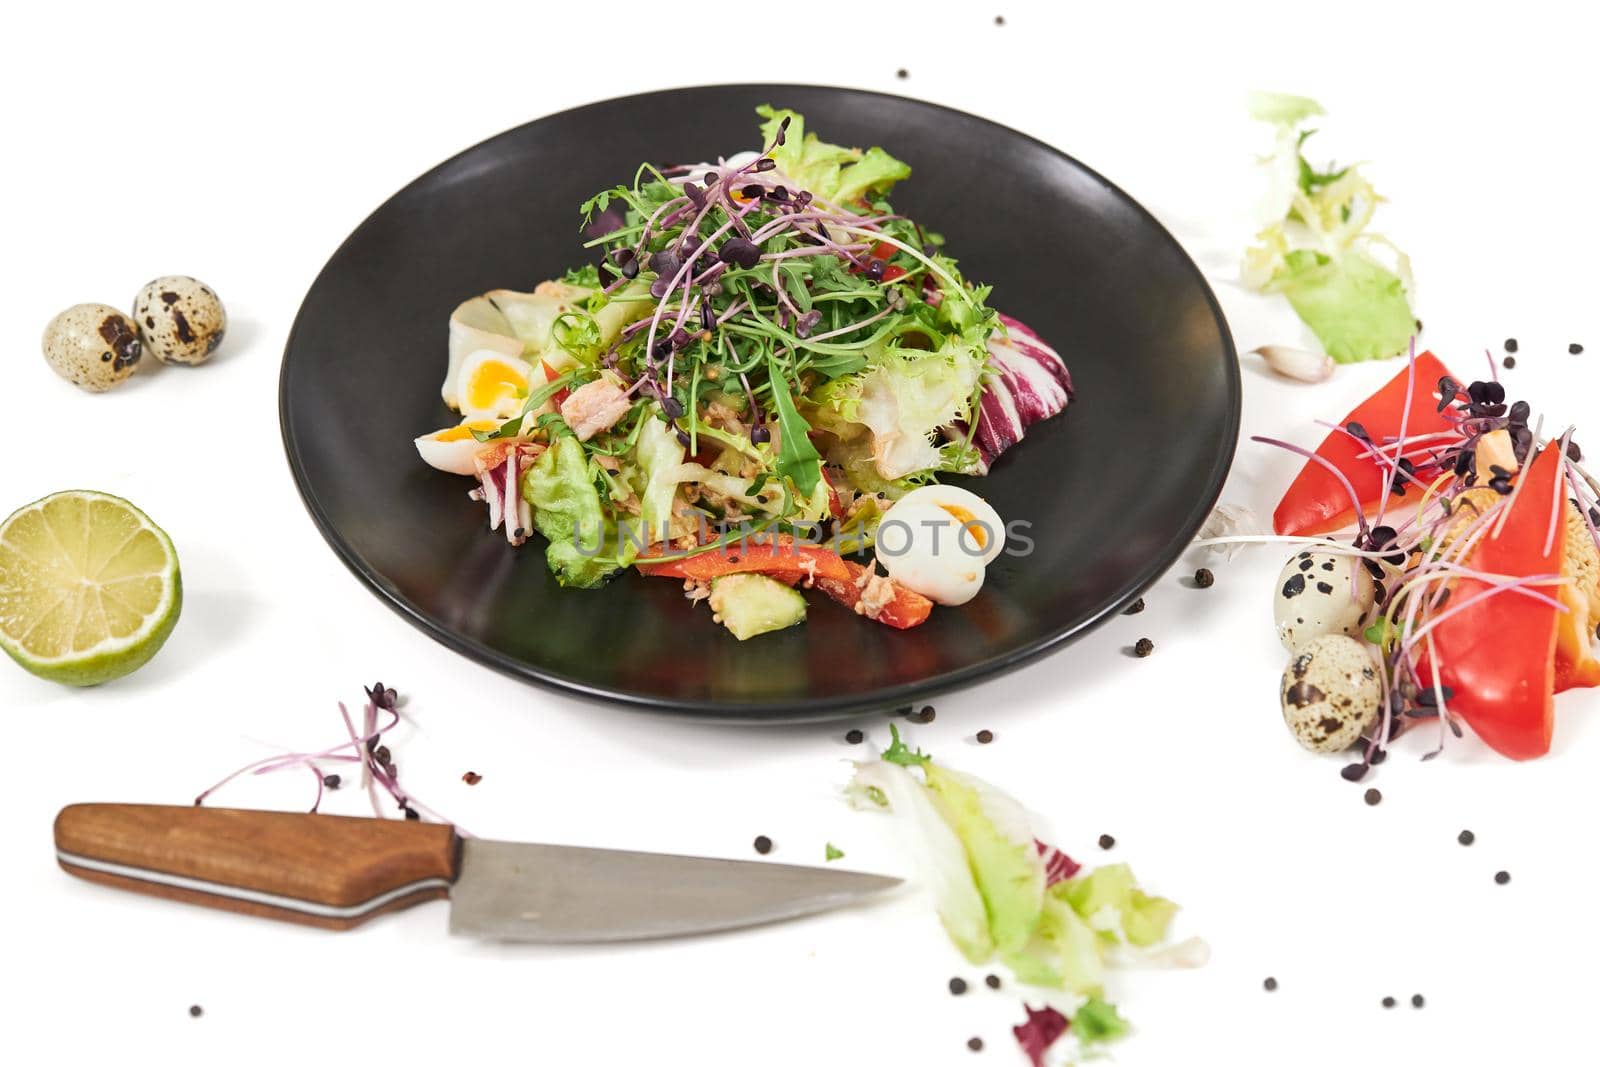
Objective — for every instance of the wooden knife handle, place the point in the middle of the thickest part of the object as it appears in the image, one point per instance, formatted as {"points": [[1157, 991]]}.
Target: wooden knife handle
{"points": [[320, 870]]}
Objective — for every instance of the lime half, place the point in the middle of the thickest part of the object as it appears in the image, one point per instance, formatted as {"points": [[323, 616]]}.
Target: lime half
{"points": [[89, 587]]}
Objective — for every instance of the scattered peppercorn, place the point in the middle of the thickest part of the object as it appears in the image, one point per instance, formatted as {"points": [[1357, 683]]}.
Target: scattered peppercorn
{"points": [[763, 844], [854, 737], [1502, 877], [975, 1044], [1509, 362], [992, 981], [1388, 1002], [925, 715], [1204, 578], [1416, 1000], [1353, 772], [999, 20], [1511, 344], [1466, 837], [1575, 348], [472, 777], [985, 736], [958, 986], [1134, 608], [331, 781], [195, 1011], [1372, 797], [1143, 647], [1107, 841], [902, 73], [1270, 984]]}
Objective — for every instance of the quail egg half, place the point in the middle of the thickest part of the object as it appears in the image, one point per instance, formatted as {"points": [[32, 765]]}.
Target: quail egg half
{"points": [[937, 540]]}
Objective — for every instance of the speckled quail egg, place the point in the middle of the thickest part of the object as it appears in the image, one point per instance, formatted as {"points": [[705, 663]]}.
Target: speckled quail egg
{"points": [[180, 319], [1330, 693], [92, 345], [1314, 597]]}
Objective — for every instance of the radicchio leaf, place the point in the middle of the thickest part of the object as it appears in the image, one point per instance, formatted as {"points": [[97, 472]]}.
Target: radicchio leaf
{"points": [[1027, 381], [1042, 1029], [1058, 866]]}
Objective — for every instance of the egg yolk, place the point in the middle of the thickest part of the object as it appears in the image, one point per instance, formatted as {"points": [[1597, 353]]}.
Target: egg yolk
{"points": [[493, 382], [454, 433], [969, 522]]}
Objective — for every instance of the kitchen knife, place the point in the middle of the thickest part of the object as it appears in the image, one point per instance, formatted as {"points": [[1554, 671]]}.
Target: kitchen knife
{"points": [[337, 872]]}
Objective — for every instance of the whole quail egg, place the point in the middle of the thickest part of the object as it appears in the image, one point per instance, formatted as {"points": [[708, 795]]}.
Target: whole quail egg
{"points": [[180, 319], [94, 346], [1330, 693], [1314, 597]]}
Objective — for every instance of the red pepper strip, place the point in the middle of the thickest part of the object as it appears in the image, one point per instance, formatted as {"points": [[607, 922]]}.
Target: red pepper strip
{"points": [[906, 610], [1498, 656], [550, 375], [786, 560], [1316, 502], [835, 505]]}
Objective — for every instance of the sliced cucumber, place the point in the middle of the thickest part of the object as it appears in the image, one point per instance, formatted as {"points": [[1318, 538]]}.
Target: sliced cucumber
{"points": [[751, 604]]}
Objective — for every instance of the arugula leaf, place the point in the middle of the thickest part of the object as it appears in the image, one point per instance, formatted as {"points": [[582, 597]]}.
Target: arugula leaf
{"points": [[586, 276], [798, 460]]}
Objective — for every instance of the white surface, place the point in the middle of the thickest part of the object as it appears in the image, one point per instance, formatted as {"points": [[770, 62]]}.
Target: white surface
{"points": [[242, 147]]}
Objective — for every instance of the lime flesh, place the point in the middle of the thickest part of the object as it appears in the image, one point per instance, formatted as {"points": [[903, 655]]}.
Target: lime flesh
{"points": [[89, 587]]}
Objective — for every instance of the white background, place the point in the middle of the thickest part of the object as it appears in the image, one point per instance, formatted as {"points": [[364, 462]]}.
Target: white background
{"points": [[242, 146]]}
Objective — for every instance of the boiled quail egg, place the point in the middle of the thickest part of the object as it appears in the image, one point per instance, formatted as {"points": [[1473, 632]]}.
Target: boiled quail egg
{"points": [[937, 540], [1330, 693], [181, 320], [1320, 593], [492, 385], [93, 346], [453, 448]]}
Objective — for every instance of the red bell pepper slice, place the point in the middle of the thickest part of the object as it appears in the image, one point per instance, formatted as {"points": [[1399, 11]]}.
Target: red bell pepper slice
{"points": [[550, 375], [783, 558], [906, 610], [1316, 502], [1498, 655]]}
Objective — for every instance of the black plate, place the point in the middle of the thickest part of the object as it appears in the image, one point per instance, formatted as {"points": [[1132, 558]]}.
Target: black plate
{"points": [[1115, 488]]}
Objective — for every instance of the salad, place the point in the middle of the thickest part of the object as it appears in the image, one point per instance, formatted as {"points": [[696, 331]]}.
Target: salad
{"points": [[767, 371]]}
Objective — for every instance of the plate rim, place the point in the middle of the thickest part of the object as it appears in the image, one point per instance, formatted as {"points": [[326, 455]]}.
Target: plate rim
{"points": [[813, 709]]}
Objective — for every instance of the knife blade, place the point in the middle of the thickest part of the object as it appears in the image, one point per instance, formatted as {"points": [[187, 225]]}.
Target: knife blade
{"points": [[337, 872]]}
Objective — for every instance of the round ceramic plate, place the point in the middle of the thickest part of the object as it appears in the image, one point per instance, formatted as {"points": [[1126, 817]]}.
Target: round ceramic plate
{"points": [[1114, 488]]}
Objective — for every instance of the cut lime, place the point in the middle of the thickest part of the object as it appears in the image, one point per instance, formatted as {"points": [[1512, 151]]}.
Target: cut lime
{"points": [[89, 587]]}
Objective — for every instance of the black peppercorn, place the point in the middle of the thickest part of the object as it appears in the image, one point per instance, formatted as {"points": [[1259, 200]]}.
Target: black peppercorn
{"points": [[1143, 647], [763, 844]]}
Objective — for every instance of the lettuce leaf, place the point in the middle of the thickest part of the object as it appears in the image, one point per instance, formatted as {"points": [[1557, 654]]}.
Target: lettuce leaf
{"points": [[1357, 309], [658, 454], [977, 854], [566, 510], [903, 399], [832, 172]]}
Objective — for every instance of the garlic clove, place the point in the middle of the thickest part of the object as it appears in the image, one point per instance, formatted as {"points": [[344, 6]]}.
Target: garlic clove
{"points": [[1296, 363]]}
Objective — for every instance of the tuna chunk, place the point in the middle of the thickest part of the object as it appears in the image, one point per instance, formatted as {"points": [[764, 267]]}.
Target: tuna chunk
{"points": [[594, 407]]}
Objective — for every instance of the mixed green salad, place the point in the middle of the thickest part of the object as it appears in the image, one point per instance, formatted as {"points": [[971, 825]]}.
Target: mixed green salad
{"points": [[766, 361]]}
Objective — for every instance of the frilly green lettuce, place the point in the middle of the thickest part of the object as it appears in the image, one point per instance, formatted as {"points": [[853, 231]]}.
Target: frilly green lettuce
{"points": [[1316, 250], [903, 400], [834, 173]]}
